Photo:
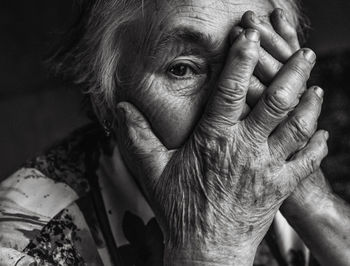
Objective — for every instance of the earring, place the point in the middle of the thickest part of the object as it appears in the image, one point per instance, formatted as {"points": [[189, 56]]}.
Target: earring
{"points": [[107, 126]]}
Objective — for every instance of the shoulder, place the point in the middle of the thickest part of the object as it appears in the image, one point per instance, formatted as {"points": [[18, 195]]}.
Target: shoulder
{"points": [[67, 239], [72, 159], [42, 189], [28, 201]]}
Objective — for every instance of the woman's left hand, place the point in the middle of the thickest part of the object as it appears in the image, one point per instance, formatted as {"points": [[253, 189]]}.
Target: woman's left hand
{"points": [[320, 217], [279, 41]]}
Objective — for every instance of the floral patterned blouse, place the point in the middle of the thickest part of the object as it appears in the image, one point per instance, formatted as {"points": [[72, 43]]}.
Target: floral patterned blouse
{"points": [[63, 208]]}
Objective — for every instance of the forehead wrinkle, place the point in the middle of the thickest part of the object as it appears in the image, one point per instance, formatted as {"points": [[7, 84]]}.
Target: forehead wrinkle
{"points": [[210, 14], [258, 6], [187, 36], [226, 6], [204, 17], [188, 12]]}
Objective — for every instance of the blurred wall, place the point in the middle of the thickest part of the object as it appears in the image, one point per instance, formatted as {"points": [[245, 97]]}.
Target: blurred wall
{"points": [[36, 110], [330, 24]]}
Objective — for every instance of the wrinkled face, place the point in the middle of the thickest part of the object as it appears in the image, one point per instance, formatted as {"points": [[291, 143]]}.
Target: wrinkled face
{"points": [[172, 57]]}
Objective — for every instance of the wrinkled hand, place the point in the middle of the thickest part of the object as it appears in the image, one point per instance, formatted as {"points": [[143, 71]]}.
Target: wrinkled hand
{"points": [[279, 41], [216, 196], [315, 212]]}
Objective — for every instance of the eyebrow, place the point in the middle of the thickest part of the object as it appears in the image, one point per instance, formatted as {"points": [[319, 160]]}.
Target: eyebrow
{"points": [[189, 35]]}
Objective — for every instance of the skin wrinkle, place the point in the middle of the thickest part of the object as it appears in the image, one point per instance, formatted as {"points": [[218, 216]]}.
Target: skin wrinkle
{"points": [[189, 15], [185, 90], [170, 113], [173, 17], [212, 204], [206, 19], [228, 7], [184, 36], [192, 179], [88, 59]]}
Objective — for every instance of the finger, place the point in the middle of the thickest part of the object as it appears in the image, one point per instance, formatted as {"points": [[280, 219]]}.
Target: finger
{"points": [[282, 95], [282, 26], [290, 136], [256, 89], [270, 40], [143, 152], [228, 101], [308, 160], [267, 66], [235, 32]]}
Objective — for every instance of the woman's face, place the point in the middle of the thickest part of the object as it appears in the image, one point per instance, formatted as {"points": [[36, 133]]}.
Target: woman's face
{"points": [[172, 57]]}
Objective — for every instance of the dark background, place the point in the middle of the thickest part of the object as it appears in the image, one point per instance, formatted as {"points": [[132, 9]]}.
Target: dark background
{"points": [[36, 110]]}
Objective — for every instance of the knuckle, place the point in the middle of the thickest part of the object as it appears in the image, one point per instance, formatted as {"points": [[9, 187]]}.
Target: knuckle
{"points": [[238, 90], [247, 52], [232, 91], [279, 100], [315, 156], [301, 128], [312, 163], [301, 70], [232, 86]]}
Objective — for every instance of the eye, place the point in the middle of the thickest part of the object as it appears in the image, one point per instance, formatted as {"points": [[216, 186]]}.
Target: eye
{"points": [[183, 69]]}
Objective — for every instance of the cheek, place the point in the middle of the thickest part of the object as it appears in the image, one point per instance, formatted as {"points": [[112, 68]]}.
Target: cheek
{"points": [[172, 115], [175, 121]]}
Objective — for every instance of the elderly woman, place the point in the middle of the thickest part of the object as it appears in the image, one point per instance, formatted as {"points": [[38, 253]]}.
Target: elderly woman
{"points": [[207, 130]]}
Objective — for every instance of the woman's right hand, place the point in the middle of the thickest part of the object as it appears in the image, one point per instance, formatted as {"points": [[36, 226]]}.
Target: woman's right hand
{"points": [[216, 196]]}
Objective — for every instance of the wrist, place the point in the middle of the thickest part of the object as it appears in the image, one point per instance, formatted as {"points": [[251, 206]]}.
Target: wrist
{"points": [[311, 197], [298, 208], [211, 256]]}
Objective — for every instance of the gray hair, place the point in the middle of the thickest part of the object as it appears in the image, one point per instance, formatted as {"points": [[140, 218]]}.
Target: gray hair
{"points": [[91, 50]]}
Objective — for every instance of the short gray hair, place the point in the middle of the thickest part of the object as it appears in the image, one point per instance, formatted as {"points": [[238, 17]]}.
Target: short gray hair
{"points": [[90, 51]]}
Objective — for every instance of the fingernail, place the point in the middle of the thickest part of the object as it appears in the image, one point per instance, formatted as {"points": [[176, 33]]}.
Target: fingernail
{"points": [[252, 35], [319, 92], [326, 135], [309, 55], [282, 14], [254, 18]]}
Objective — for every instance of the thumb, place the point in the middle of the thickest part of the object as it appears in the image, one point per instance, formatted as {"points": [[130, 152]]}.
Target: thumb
{"points": [[143, 153]]}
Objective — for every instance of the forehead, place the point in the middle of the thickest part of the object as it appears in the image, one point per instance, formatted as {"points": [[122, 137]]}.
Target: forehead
{"points": [[211, 17]]}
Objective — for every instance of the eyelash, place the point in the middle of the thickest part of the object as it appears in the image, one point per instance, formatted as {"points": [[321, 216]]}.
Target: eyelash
{"points": [[189, 65]]}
